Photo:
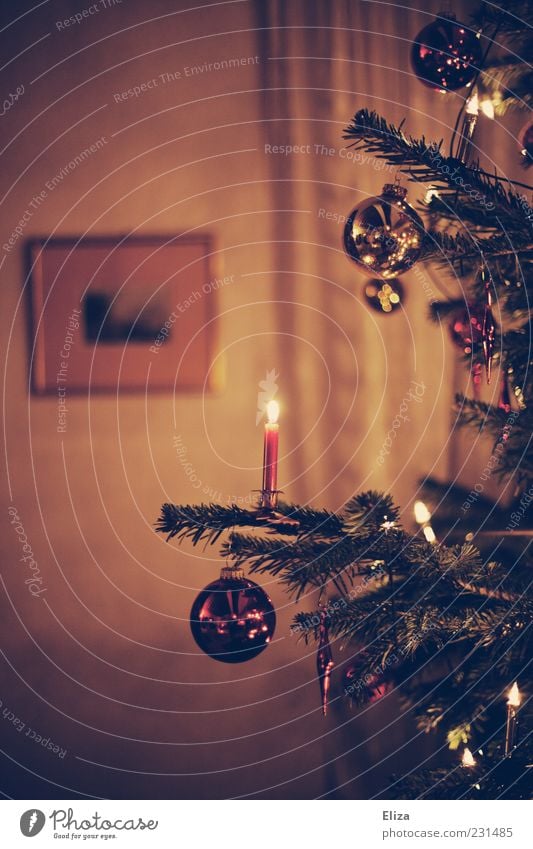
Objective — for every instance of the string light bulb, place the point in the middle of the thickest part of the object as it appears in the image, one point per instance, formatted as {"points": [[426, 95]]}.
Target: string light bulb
{"points": [[272, 411], [432, 192], [468, 759], [514, 700], [472, 104]]}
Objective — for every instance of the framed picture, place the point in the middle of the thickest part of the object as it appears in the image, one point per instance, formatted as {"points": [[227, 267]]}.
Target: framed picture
{"points": [[119, 314]]}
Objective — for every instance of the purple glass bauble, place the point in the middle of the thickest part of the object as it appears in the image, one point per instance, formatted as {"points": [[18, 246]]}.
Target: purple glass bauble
{"points": [[384, 235], [446, 54], [233, 619], [384, 297]]}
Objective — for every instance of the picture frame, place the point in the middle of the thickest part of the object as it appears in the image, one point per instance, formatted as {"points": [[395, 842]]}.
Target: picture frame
{"points": [[113, 314]]}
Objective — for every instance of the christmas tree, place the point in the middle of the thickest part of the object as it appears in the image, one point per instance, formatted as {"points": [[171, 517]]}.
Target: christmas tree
{"points": [[447, 626]]}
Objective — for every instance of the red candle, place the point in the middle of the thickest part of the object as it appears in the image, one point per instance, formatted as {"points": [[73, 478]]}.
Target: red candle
{"points": [[270, 455]]}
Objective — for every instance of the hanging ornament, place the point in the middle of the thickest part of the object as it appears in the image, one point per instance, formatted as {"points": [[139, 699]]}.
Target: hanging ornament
{"points": [[488, 331], [466, 332], [324, 661], [468, 128], [384, 297], [446, 55], [476, 380], [233, 619], [525, 140], [368, 688], [384, 235]]}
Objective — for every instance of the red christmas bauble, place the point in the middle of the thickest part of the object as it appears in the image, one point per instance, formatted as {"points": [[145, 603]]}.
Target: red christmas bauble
{"points": [[446, 54], [364, 687], [232, 619], [384, 235], [466, 328]]}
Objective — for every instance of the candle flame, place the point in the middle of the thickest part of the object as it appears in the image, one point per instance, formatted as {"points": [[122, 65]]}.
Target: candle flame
{"points": [[468, 758], [513, 696], [272, 411], [422, 513]]}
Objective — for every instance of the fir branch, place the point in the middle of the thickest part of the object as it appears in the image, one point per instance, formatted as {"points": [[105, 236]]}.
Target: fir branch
{"points": [[444, 603], [479, 413], [510, 84]]}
